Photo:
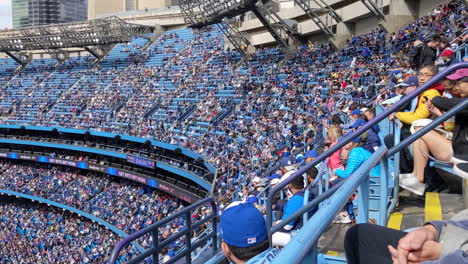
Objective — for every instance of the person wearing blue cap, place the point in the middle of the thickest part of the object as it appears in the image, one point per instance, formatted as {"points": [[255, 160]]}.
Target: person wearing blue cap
{"points": [[310, 156], [288, 166], [244, 235], [296, 187], [403, 88]]}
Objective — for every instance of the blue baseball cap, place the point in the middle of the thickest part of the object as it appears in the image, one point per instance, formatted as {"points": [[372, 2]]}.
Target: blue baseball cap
{"points": [[274, 176], [412, 81], [311, 154], [252, 199], [359, 122], [242, 225], [355, 112], [288, 162], [299, 158]]}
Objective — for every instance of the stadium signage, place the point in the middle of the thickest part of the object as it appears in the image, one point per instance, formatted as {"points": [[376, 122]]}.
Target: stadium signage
{"points": [[131, 176], [63, 162], [176, 192], [141, 162]]}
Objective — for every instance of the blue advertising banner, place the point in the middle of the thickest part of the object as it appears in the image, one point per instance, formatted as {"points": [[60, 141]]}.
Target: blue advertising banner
{"points": [[141, 161]]}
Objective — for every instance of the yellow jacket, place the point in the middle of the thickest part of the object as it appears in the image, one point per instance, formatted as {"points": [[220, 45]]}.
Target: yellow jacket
{"points": [[421, 109]]}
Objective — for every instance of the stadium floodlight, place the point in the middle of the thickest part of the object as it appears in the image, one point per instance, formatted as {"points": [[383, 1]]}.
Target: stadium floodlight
{"points": [[88, 34]]}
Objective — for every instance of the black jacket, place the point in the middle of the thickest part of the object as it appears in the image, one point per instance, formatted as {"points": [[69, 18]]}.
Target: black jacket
{"points": [[460, 133], [423, 55]]}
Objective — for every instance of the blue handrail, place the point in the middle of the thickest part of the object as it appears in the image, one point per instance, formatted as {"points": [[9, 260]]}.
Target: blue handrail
{"points": [[186, 232], [358, 132], [396, 167], [303, 247], [308, 236]]}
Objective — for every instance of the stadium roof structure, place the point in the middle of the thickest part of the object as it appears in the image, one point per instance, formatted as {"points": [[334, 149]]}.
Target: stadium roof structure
{"points": [[203, 13], [96, 36]]}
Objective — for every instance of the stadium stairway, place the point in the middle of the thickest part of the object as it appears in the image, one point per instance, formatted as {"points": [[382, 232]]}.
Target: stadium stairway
{"points": [[411, 212]]}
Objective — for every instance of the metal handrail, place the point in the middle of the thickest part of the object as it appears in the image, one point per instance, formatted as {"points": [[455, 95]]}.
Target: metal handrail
{"points": [[187, 232], [317, 140], [307, 237], [396, 167], [304, 244], [358, 132]]}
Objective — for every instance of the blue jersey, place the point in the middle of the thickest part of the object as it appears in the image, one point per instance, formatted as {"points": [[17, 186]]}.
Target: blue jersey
{"points": [[265, 257], [295, 203]]}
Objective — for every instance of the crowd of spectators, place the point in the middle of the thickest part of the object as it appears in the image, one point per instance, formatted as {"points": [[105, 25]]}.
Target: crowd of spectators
{"points": [[34, 233], [124, 204], [247, 120]]}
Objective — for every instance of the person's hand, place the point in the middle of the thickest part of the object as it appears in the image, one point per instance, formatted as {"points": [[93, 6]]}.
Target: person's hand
{"points": [[432, 108], [429, 251], [418, 245], [391, 117]]}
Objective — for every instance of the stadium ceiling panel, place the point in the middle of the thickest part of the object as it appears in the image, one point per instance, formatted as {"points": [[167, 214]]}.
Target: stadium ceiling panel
{"points": [[94, 33]]}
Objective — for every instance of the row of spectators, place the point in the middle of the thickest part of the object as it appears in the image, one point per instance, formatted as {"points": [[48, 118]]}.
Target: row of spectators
{"points": [[34, 233], [124, 204]]}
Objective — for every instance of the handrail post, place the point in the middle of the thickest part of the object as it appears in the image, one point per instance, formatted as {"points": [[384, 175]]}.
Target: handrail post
{"points": [[306, 201], [155, 237], [188, 236], [363, 198], [396, 168], [383, 192], [214, 226]]}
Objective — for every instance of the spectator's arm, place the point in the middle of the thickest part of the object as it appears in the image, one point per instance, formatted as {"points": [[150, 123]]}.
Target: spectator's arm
{"points": [[391, 100], [421, 110], [450, 253], [445, 104], [353, 164]]}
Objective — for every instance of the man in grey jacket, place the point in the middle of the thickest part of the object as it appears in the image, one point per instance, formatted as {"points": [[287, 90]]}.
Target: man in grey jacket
{"points": [[436, 242]]}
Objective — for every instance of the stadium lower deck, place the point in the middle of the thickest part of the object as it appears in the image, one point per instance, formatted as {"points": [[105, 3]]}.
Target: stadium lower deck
{"points": [[184, 89]]}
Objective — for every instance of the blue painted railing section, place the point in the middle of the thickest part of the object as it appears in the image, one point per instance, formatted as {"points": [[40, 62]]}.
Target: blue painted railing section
{"points": [[155, 143], [303, 247], [187, 249], [73, 210]]}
